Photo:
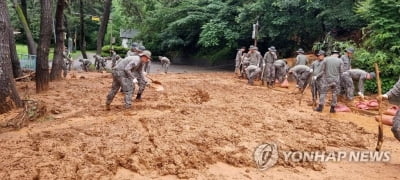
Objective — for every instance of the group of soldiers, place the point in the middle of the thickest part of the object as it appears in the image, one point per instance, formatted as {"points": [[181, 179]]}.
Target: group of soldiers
{"points": [[327, 73], [333, 73]]}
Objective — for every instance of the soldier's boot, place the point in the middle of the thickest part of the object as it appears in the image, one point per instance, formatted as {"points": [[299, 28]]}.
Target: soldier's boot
{"points": [[319, 108], [127, 106], [332, 109], [139, 96]]}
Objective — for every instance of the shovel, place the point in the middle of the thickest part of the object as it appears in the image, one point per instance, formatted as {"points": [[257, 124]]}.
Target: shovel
{"points": [[157, 85]]}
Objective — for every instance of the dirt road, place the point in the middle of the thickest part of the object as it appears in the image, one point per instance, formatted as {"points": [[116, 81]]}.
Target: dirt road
{"points": [[202, 126]]}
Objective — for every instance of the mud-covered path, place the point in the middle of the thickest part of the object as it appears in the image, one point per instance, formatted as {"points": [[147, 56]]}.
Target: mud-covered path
{"points": [[202, 126]]}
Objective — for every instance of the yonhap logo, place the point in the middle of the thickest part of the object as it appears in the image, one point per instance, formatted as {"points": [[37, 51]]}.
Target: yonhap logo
{"points": [[266, 156]]}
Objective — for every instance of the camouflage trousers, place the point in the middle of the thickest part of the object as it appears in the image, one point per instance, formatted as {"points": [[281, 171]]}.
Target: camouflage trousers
{"points": [[120, 80], [252, 72], [396, 126], [332, 84], [165, 67], [280, 73], [243, 72], [141, 82], [348, 85], [315, 89], [301, 78], [269, 73]]}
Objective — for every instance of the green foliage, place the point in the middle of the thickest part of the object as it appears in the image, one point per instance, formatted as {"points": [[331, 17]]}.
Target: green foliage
{"points": [[120, 50], [382, 40]]}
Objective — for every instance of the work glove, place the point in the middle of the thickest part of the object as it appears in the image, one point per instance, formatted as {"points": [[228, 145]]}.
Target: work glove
{"points": [[311, 70], [135, 81], [361, 94], [383, 97], [145, 73], [314, 78]]}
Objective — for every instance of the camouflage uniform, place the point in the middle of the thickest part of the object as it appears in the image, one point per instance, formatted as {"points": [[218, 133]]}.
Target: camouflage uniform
{"points": [[245, 64], [269, 69], [85, 64], [252, 72], [394, 98], [331, 71], [123, 74], [316, 85], [114, 58], [254, 58], [165, 62], [238, 58], [99, 62], [346, 62], [301, 73], [67, 63], [131, 53], [281, 69], [301, 59], [349, 76]]}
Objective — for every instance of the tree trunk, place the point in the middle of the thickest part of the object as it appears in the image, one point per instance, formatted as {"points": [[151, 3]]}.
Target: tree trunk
{"points": [[103, 25], [9, 97], [82, 40], [24, 8], [42, 60], [16, 66], [29, 38], [58, 60]]}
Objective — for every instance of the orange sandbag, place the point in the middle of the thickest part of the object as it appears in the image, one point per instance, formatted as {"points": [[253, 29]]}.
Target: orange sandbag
{"points": [[285, 84], [392, 111], [373, 103], [362, 105], [342, 108], [386, 119]]}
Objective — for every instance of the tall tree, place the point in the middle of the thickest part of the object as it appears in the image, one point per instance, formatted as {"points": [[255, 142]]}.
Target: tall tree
{"points": [[9, 97], [58, 60], [42, 61], [16, 66], [22, 18], [82, 40], [103, 25]]}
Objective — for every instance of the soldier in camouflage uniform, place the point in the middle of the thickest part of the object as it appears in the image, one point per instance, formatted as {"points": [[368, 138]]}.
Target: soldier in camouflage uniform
{"points": [[85, 64], [316, 85], [394, 98], [268, 65], [238, 59], [355, 75], [244, 64], [347, 59], [165, 62], [252, 72], [301, 73], [99, 62], [331, 71], [123, 75], [301, 59], [281, 69], [114, 58], [67, 62]]}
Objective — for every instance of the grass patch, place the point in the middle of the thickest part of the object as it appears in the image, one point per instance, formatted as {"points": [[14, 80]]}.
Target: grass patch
{"points": [[23, 49]]}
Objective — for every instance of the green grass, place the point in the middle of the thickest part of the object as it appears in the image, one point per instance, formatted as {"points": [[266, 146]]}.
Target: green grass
{"points": [[23, 49]]}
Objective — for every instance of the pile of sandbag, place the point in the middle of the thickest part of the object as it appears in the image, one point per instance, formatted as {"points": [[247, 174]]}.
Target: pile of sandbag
{"points": [[387, 118], [342, 108], [368, 105]]}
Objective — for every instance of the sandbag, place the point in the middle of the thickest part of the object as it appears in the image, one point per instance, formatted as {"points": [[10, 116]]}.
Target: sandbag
{"points": [[362, 105], [285, 84], [386, 119], [391, 111], [276, 81], [373, 103], [342, 108]]}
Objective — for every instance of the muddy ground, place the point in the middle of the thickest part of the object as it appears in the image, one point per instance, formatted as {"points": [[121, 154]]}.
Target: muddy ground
{"points": [[202, 126]]}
